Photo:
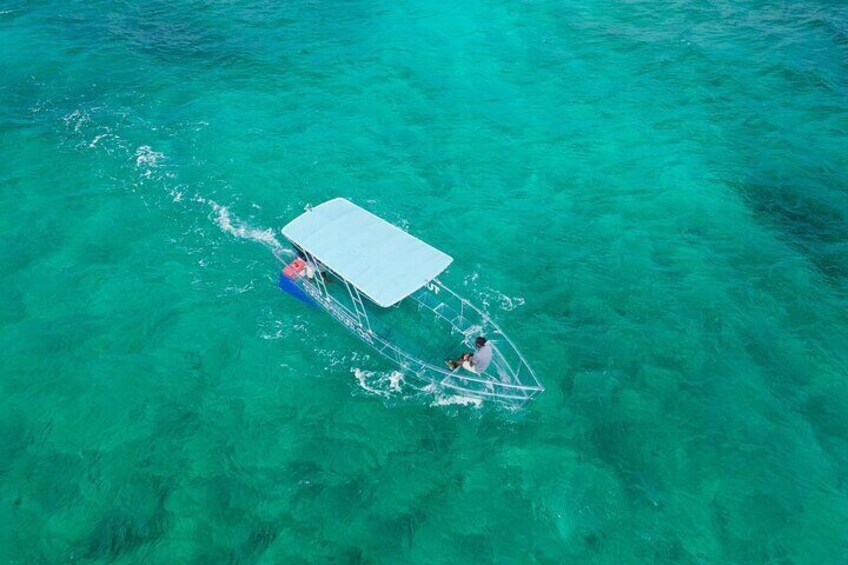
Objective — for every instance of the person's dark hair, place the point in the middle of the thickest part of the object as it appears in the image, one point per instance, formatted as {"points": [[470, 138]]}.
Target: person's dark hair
{"points": [[480, 341]]}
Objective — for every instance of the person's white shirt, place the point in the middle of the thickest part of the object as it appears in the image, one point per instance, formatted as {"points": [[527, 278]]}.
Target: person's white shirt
{"points": [[481, 359]]}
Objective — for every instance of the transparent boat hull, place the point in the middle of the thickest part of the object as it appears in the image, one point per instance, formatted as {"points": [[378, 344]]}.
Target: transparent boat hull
{"points": [[509, 379]]}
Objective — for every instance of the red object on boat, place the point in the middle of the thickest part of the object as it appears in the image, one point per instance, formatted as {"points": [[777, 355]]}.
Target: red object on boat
{"points": [[294, 268]]}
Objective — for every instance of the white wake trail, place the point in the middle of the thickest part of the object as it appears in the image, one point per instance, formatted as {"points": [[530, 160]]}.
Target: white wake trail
{"points": [[234, 226]]}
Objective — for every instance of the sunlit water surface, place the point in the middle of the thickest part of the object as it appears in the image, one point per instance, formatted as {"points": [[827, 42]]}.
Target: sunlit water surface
{"points": [[650, 197]]}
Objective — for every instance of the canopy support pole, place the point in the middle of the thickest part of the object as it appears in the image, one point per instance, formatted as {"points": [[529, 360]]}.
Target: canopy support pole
{"points": [[318, 276], [358, 306]]}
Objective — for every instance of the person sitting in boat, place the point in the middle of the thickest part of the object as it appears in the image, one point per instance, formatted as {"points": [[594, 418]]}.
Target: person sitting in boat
{"points": [[310, 272], [476, 362]]}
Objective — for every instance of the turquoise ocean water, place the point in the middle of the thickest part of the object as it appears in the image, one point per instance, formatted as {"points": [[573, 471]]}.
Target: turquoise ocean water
{"points": [[651, 197]]}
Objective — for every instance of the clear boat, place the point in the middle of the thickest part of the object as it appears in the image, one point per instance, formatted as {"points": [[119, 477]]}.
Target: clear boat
{"points": [[381, 283]]}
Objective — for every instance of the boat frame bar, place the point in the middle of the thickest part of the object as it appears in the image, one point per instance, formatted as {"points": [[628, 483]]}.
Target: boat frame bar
{"points": [[462, 316]]}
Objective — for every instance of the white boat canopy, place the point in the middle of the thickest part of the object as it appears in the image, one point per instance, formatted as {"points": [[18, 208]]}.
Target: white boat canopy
{"points": [[383, 262]]}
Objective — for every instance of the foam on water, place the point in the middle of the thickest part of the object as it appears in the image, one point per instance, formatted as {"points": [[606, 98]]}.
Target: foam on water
{"points": [[378, 383], [146, 157], [77, 119], [488, 296], [242, 230], [392, 384], [442, 398]]}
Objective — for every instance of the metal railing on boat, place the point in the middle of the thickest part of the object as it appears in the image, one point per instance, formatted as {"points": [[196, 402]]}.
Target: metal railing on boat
{"points": [[463, 318]]}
